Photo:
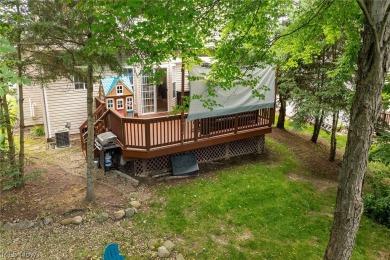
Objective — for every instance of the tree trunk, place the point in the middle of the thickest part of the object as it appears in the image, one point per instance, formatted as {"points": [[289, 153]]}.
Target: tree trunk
{"points": [[317, 127], [333, 139], [91, 136], [10, 137], [282, 112], [2, 125], [21, 116], [372, 67]]}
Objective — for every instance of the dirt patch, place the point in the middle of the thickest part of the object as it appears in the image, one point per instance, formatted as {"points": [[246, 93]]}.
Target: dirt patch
{"points": [[320, 171], [60, 187]]}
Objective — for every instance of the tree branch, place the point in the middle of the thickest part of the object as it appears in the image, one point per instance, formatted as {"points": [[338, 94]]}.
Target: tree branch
{"points": [[370, 21], [383, 23]]}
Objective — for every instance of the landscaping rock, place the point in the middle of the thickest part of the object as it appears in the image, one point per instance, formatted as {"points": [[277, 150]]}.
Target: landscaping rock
{"points": [[153, 244], [66, 221], [102, 217], [47, 220], [119, 214], [169, 245], [135, 204], [129, 212], [77, 220], [39, 224], [163, 252], [9, 226], [180, 257], [19, 225]]}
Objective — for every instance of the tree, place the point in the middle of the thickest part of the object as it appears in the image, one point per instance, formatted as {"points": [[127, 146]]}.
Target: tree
{"points": [[10, 176], [373, 64], [74, 48], [15, 23]]}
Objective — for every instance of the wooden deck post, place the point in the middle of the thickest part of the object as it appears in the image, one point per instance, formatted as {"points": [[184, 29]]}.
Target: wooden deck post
{"points": [[196, 130], [235, 123], [147, 135]]}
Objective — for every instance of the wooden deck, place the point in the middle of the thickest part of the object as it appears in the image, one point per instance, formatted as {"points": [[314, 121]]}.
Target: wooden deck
{"points": [[385, 117], [158, 135]]}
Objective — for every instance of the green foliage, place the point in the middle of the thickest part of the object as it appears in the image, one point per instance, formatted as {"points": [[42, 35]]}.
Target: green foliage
{"points": [[38, 130], [377, 199], [380, 151], [2, 142], [10, 178]]}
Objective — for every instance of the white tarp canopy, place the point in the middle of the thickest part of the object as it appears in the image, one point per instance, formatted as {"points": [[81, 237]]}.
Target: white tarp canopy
{"points": [[235, 100]]}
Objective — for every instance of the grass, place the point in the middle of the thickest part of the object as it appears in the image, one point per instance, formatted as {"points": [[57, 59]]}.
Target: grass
{"points": [[324, 135], [254, 211]]}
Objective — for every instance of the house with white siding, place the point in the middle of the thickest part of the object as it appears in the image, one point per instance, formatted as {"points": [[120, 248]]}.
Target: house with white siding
{"points": [[63, 102]]}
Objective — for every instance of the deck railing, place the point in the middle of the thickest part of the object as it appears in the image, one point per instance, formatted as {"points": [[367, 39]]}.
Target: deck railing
{"points": [[385, 117], [149, 133], [99, 118]]}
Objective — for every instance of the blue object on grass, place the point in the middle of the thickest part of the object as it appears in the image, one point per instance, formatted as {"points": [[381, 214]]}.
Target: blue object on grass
{"points": [[112, 253]]}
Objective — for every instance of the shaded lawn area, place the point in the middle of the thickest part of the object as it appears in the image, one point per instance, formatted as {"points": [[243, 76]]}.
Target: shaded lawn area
{"points": [[254, 211], [324, 135]]}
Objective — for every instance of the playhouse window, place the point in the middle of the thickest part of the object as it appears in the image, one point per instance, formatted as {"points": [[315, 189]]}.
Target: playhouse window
{"points": [[110, 103], [129, 103], [79, 83], [119, 90], [119, 103]]}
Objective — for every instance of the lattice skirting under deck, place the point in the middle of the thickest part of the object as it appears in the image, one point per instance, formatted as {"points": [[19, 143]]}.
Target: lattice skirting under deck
{"points": [[206, 154]]}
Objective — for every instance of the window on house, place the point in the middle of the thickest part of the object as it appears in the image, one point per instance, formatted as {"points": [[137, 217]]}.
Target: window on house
{"points": [[129, 103], [110, 103], [174, 82], [148, 93], [119, 104], [79, 83], [119, 90], [128, 72]]}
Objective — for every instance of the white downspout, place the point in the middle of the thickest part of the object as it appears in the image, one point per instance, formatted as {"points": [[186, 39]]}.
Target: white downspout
{"points": [[47, 116]]}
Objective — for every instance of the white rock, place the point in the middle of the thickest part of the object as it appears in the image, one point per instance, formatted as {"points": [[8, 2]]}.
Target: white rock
{"points": [[77, 220], [119, 214], [163, 252], [135, 204], [180, 257], [169, 245]]}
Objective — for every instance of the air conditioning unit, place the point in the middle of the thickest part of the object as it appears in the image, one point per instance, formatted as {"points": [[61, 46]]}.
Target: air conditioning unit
{"points": [[62, 138]]}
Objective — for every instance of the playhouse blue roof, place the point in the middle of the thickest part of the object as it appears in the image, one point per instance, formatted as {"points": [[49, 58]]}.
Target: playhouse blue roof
{"points": [[109, 83]]}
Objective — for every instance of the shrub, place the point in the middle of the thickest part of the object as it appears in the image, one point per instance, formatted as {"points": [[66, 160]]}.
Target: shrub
{"points": [[377, 199], [38, 130]]}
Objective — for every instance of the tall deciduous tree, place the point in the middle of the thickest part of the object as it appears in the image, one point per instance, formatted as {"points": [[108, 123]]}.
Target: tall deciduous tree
{"points": [[373, 64]]}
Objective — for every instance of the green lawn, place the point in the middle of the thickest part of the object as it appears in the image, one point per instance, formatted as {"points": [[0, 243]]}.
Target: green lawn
{"points": [[253, 211]]}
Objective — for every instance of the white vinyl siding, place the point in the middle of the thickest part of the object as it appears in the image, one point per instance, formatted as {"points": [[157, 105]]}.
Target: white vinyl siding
{"points": [[66, 105], [33, 105]]}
